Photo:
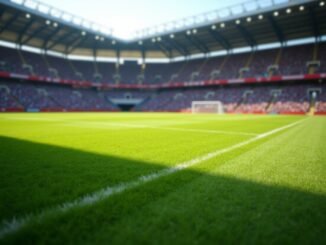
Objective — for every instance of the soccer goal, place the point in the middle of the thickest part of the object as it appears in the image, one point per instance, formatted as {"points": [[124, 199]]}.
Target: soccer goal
{"points": [[207, 107]]}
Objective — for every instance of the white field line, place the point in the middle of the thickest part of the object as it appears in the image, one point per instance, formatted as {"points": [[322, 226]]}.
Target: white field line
{"points": [[205, 131], [16, 224], [127, 125]]}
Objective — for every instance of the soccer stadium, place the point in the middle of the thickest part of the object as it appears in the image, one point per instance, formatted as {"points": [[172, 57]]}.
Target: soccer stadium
{"points": [[198, 128]]}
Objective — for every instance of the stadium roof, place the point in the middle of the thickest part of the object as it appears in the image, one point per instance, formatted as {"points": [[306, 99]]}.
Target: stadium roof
{"points": [[250, 24]]}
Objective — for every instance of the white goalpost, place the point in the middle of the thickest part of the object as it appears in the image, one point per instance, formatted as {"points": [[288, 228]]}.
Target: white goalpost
{"points": [[207, 107]]}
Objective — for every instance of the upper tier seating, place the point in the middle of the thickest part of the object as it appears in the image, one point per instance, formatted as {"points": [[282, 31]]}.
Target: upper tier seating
{"points": [[285, 61]]}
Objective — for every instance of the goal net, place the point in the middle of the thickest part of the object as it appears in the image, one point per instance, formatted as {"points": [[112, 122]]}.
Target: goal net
{"points": [[207, 107]]}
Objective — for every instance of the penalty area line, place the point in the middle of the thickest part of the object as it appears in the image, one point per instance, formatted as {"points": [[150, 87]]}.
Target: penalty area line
{"points": [[16, 224]]}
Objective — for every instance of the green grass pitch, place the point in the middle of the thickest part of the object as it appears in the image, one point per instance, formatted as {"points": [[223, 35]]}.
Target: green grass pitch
{"points": [[95, 178]]}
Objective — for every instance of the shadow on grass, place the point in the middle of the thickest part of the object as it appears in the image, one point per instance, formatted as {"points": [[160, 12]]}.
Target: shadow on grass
{"points": [[34, 176], [187, 207]]}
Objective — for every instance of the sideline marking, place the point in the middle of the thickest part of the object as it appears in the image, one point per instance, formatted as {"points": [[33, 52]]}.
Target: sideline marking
{"points": [[15, 224]]}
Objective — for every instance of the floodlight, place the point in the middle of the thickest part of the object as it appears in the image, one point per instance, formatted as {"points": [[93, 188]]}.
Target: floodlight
{"points": [[18, 1]]}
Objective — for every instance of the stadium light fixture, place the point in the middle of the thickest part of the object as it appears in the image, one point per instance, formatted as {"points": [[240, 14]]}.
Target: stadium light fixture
{"points": [[288, 11], [18, 1], [188, 32], [213, 27], [172, 36], [260, 16], [238, 22], [97, 37], [159, 39], [55, 24], [322, 4], [28, 16], [83, 33], [102, 39], [113, 42], [140, 42], [222, 25], [301, 8], [153, 40], [48, 22], [194, 31], [249, 19], [276, 14]]}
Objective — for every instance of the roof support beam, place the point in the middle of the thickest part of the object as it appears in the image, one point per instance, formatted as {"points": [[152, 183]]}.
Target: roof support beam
{"points": [[118, 53], [94, 50], [2, 11], [180, 48], [50, 36], [73, 46], [220, 39], [143, 53], [201, 44], [166, 50], [118, 56], [9, 22], [314, 23], [59, 40], [37, 31], [247, 36], [193, 43], [278, 31], [24, 29], [76, 39]]}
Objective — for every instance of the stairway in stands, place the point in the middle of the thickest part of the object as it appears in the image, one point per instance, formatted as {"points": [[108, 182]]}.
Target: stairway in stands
{"points": [[271, 102], [17, 100], [312, 107]]}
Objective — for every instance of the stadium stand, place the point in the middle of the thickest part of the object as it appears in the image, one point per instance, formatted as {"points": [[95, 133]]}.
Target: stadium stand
{"points": [[129, 72], [107, 71], [197, 64], [293, 61], [10, 61], [290, 99], [16, 96], [268, 98], [61, 68]]}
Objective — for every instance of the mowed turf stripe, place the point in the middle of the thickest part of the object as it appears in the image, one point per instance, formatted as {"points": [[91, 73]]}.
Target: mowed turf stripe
{"points": [[144, 126], [17, 223]]}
